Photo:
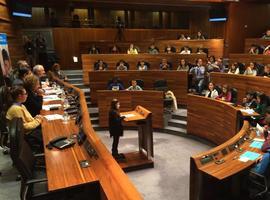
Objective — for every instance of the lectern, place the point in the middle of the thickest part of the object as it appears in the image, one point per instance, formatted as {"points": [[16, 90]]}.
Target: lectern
{"points": [[144, 157]]}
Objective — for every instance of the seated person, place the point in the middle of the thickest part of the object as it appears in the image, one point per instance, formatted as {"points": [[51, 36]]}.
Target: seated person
{"points": [[234, 69], [165, 65], [115, 49], [266, 35], [22, 73], [182, 37], [142, 66], [132, 50], [212, 65], [58, 73], [251, 70], [226, 94], [39, 71], [199, 36], [100, 66], [169, 49], [185, 50], [18, 110], [93, 50], [263, 161], [183, 66], [115, 85], [211, 92], [254, 50], [153, 49], [250, 101], [198, 75], [261, 105], [266, 50], [122, 66], [134, 86], [200, 51], [266, 71], [34, 99]]}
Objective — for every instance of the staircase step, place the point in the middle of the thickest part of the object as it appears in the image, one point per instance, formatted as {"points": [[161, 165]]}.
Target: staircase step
{"points": [[74, 80], [67, 72], [94, 120], [93, 115], [177, 123], [75, 76], [175, 130]]}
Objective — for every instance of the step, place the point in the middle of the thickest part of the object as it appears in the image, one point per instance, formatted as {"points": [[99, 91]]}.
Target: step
{"points": [[180, 112], [93, 115], [94, 120], [93, 110], [75, 76], [74, 80], [86, 90], [80, 85], [179, 117], [175, 130], [79, 71], [177, 123]]}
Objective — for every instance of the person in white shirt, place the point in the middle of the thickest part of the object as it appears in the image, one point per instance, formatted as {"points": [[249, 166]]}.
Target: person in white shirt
{"points": [[185, 51], [211, 92], [132, 50], [134, 86], [251, 70], [234, 69]]}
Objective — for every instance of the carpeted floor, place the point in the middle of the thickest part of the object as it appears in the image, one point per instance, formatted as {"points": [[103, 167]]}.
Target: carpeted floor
{"points": [[168, 180]]}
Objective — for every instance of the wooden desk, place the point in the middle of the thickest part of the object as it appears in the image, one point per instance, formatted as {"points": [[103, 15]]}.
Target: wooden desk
{"points": [[177, 81], [256, 41], [63, 168], [212, 119], [88, 60], [210, 181], [247, 58], [214, 46], [129, 100], [242, 83]]}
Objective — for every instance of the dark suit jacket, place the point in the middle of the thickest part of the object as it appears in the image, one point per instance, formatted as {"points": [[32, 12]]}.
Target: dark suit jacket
{"points": [[115, 123], [33, 103]]}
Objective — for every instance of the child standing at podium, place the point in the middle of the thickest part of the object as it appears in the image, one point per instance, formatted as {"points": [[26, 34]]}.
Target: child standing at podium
{"points": [[115, 127]]}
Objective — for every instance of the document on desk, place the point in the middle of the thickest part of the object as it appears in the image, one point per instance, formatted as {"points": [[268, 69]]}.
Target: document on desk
{"points": [[128, 115], [249, 155], [48, 107], [54, 117], [52, 91], [248, 111], [256, 144], [51, 98]]}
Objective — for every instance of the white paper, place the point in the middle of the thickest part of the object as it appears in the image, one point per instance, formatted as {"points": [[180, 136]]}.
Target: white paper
{"points": [[54, 117], [248, 111], [48, 92], [243, 159], [129, 115], [259, 139], [47, 107], [51, 98]]}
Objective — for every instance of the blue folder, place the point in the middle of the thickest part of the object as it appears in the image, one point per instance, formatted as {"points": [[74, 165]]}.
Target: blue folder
{"points": [[250, 155]]}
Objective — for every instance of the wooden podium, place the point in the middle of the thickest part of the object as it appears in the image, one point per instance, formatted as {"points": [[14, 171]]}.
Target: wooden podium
{"points": [[144, 157]]}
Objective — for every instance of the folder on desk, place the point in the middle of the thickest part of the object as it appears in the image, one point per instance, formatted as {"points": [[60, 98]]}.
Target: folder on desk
{"points": [[256, 144], [249, 155]]}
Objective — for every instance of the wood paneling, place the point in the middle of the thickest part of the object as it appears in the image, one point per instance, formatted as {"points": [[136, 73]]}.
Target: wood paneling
{"points": [[176, 80], [129, 100], [154, 61], [113, 181], [214, 46], [4, 14], [256, 41], [211, 119], [247, 58], [242, 83]]}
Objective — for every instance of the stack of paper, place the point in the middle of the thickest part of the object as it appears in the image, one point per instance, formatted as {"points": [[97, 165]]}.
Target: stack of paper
{"points": [[248, 111], [128, 115], [53, 117], [48, 107], [51, 98]]}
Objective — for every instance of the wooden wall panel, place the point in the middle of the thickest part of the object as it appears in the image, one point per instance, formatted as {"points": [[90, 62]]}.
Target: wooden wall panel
{"points": [[242, 83], [211, 119], [246, 58], [129, 100], [4, 13], [176, 80]]}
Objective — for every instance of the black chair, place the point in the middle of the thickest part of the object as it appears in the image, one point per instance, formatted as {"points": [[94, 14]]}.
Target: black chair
{"points": [[234, 95], [258, 185], [161, 85]]}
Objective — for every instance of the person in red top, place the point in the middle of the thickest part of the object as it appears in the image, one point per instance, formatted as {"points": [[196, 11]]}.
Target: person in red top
{"points": [[226, 94]]}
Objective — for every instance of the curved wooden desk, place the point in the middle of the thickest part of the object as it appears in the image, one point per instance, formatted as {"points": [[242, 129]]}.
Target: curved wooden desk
{"points": [[177, 81], [242, 83], [151, 100], [211, 119], [64, 171], [247, 58], [256, 41], [218, 172]]}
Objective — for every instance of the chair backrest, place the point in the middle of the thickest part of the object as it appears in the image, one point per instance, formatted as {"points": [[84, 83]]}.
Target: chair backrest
{"points": [[16, 134], [234, 95], [161, 85]]}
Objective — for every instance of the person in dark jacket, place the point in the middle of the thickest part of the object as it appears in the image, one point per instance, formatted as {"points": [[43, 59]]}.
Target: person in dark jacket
{"points": [[115, 126], [34, 99]]}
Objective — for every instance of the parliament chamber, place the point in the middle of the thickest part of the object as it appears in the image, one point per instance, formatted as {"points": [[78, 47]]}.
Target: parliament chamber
{"points": [[130, 100]]}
